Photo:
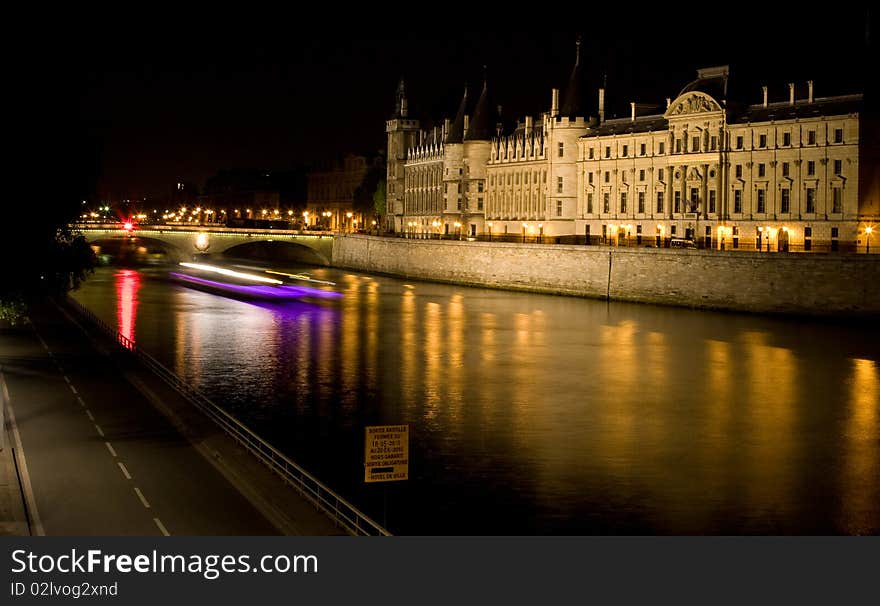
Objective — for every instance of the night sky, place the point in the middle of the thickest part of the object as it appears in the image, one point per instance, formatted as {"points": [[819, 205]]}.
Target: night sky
{"points": [[155, 109]]}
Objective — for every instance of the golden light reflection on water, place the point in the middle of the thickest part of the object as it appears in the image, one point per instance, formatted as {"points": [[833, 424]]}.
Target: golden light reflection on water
{"points": [[349, 339], [861, 474], [719, 392], [407, 347], [618, 368], [371, 328], [434, 353], [455, 359]]}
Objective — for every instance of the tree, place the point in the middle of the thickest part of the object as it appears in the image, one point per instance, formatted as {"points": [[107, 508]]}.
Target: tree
{"points": [[379, 201]]}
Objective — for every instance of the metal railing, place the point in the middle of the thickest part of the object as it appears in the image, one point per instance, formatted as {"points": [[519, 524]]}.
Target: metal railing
{"points": [[338, 509]]}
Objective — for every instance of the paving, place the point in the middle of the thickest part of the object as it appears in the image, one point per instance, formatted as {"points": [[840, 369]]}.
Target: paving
{"points": [[108, 448]]}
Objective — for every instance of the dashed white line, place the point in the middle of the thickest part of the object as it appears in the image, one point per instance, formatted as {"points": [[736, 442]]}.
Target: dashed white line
{"points": [[141, 497], [124, 470], [80, 400], [89, 413], [98, 429], [67, 379], [73, 389], [162, 527], [110, 448]]}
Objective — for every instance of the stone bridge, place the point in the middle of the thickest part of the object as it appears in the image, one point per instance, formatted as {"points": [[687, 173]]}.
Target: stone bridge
{"points": [[183, 242]]}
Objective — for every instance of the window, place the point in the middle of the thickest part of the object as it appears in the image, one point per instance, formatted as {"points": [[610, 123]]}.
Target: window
{"points": [[835, 244], [811, 167], [785, 203], [694, 201], [785, 169], [590, 177], [516, 179], [672, 230], [711, 200], [559, 185], [479, 187], [762, 140], [625, 150], [811, 137], [739, 142], [811, 199], [762, 196], [758, 234], [589, 204], [838, 135], [678, 146], [642, 149], [459, 188], [737, 201], [786, 139], [836, 200], [659, 201], [607, 176], [662, 149], [838, 167], [561, 149], [835, 232], [762, 169], [559, 208], [606, 202], [695, 144], [713, 143], [623, 202], [677, 204], [641, 202], [459, 204], [641, 174], [739, 171], [607, 151], [591, 153], [808, 242], [479, 204], [623, 176], [735, 236], [544, 176]]}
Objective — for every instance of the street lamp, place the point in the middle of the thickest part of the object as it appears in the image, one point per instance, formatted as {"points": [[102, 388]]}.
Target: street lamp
{"points": [[868, 231], [305, 219], [458, 228]]}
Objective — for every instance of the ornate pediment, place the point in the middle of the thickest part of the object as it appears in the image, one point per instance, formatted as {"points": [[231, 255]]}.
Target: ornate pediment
{"points": [[692, 103]]}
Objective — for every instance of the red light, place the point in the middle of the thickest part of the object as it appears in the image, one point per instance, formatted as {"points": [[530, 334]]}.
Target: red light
{"points": [[127, 226]]}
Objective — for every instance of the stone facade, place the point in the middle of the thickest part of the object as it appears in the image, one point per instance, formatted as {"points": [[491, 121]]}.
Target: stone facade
{"points": [[706, 171], [819, 284]]}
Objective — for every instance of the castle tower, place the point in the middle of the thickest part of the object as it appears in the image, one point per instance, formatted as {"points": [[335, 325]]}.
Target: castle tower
{"points": [[475, 157], [453, 168], [403, 133]]}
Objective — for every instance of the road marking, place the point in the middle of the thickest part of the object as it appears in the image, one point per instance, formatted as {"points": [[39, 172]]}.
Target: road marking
{"points": [[141, 497], [89, 413], [30, 501], [80, 400], [66, 379], [162, 527], [98, 429], [124, 470], [110, 448], [73, 389]]}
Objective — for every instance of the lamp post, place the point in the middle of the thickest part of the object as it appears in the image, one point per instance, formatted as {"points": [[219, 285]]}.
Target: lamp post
{"points": [[458, 229], [868, 231], [349, 215], [305, 219]]}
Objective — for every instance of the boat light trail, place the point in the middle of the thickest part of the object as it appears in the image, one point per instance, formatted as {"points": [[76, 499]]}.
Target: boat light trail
{"points": [[231, 273]]}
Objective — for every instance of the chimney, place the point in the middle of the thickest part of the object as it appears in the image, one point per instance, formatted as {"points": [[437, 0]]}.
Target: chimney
{"points": [[466, 122], [791, 93], [668, 102], [764, 88], [554, 104], [632, 111], [810, 89], [601, 105]]}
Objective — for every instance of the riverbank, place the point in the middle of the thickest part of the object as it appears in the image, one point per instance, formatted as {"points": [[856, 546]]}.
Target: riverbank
{"points": [[802, 284]]}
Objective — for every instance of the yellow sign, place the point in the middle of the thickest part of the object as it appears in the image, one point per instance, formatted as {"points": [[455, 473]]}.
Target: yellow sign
{"points": [[386, 453]]}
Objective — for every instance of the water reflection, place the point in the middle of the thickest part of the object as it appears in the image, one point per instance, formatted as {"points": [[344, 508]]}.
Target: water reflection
{"points": [[537, 414]]}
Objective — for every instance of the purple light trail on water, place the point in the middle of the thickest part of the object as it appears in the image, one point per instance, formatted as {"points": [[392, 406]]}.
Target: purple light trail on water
{"points": [[259, 291]]}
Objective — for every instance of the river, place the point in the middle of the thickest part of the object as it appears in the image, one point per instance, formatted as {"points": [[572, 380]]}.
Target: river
{"points": [[536, 414]]}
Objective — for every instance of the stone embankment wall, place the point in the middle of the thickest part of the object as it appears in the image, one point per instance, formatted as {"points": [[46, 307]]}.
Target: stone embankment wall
{"points": [[814, 284]]}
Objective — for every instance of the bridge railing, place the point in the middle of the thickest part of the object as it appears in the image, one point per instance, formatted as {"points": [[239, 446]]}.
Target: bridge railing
{"points": [[206, 228], [337, 508]]}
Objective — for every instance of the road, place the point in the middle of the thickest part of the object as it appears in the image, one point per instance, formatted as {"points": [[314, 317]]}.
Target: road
{"points": [[100, 458]]}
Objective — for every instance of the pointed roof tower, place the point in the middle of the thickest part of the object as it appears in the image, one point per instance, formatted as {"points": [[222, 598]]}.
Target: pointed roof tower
{"points": [[573, 105], [481, 127], [456, 131], [400, 109]]}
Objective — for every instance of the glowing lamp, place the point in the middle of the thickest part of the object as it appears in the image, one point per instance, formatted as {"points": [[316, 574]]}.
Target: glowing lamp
{"points": [[128, 226]]}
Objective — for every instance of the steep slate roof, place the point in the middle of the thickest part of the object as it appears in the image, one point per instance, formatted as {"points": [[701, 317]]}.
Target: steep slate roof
{"points": [[480, 127], [618, 126], [456, 131], [823, 106]]}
